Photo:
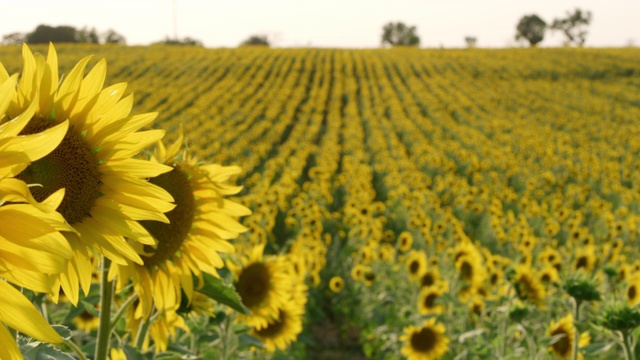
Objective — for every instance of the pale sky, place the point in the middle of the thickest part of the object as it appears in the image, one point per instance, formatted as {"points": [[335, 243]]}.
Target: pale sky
{"points": [[322, 23]]}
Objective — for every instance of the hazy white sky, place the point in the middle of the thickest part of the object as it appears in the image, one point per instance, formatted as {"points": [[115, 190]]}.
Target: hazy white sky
{"points": [[321, 23]]}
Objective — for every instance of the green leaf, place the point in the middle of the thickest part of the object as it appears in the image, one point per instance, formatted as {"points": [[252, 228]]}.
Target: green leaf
{"points": [[222, 293], [63, 331], [248, 340], [42, 351], [592, 349], [470, 334]]}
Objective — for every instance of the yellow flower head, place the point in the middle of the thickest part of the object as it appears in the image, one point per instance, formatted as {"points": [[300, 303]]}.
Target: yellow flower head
{"points": [[264, 285], [200, 226], [106, 191], [427, 342], [336, 284]]}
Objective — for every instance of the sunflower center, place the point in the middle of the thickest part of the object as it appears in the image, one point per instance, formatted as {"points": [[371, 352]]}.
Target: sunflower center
{"points": [[274, 328], [563, 345], [171, 236], [581, 263], [72, 166], [253, 284], [430, 300], [86, 316], [427, 280], [631, 293], [466, 270], [424, 340], [414, 267]]}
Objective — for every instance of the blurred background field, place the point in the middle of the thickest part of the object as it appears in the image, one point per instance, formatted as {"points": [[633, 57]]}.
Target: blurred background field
{"points": [[470, 186]]}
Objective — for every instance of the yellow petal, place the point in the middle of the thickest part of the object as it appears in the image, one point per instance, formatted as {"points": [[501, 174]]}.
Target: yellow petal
{"points": [[68, 93], [134, 167], [18, 313], [8, 346], [129, 146], [7, 89]]}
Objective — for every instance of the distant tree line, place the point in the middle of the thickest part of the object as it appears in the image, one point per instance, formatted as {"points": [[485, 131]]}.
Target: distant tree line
{"points": [[185, 41], [574, 27], [44, 34]]}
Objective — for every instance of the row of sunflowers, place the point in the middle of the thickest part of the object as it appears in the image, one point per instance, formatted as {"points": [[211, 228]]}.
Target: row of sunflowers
{"points": [[479, 203]]}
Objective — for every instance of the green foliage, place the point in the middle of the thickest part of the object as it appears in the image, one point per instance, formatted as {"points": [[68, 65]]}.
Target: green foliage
{"points": [[399, 34], [44, 34], [471, 41], [222, 293], [14, 38], [188, 41], [574, 26], [260, 40], [620, 317], [532, 28]]}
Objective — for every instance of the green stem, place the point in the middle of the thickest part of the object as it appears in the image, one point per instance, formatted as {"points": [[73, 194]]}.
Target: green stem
{"points": [[576, 335], [106, 295], [628, 349], [123, 308], [144, 327], [76, 349]]}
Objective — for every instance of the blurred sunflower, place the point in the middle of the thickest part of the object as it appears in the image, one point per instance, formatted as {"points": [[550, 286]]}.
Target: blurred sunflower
{"points": [[427, 342], [405, 241], [430, 277], [565, 331], [528, 286], [470, 269], [86, 321], [336, 284], [32, 249], [106, 192], [416, 264], [283, 329], [200, 226], [263, 284], [633, 290], [585, 258], [428, 300]]}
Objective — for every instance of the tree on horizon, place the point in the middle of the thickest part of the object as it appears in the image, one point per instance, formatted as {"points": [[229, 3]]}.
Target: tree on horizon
{"points": [[399, 34], [532, 28]]}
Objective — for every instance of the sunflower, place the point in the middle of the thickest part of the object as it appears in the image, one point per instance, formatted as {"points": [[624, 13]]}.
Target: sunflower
{"points": [[427, 342], [282, 330], [86, 321], [200, 225], [264, 285], [358, 271], [633, 290], [585, 258], [548, 276], [405, 241], [32, 249], [428, 300], [528, 286], [429, 277], [106, 189], [565, 331], [470, 269], [416, 264], [336, 284]]}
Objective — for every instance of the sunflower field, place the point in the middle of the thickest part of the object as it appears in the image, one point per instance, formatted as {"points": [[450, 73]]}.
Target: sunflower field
{"points": [[169, 202]]}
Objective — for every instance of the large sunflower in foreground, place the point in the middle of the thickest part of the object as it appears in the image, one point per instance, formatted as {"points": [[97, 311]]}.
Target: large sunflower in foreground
{"points": [[427, 342], [106, 189], [200, 226], [31, 246]]}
